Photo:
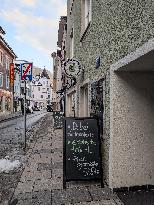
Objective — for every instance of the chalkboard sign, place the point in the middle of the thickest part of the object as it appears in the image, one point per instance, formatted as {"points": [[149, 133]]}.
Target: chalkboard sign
{"points": [[82, 155], [58, 119]]}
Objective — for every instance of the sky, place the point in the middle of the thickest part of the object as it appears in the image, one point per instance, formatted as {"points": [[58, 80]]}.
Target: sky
{"points": [[31, 28]]}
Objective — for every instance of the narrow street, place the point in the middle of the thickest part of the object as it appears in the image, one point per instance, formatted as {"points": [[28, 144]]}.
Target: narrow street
{"points": [[11, 131], [11, 148]]}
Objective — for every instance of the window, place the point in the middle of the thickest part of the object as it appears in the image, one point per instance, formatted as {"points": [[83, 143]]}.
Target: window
{"points": [[1, 57], [1, 80], [7, 62], [7, 82], [41, 96], [97, 103], [47, 89], [48, 96], [38, 88], [84, 105], [86, 14], [72, 43]]}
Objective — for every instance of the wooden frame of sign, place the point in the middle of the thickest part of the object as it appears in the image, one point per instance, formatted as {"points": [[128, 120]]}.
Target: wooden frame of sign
{"points": [[82, 159]]}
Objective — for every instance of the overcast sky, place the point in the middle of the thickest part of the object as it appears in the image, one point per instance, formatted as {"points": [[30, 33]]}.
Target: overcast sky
{"points": [[31, 28]]}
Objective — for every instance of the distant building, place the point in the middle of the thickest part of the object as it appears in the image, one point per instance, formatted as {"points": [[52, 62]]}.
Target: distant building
{"points": [[41, 90], [7, 56], [58, 58]]}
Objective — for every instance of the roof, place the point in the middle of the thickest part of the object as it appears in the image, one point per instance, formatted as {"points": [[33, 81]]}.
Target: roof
{"points": [[45, 74], [2, 30], [6, 45]]}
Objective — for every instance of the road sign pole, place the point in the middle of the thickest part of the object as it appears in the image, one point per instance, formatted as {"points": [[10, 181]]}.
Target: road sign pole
{"points": [[24, 114]]}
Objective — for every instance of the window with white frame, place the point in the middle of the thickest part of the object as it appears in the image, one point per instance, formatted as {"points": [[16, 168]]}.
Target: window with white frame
{"points": [[1, 56], [1, 80], [7, 82], [86, 14]]}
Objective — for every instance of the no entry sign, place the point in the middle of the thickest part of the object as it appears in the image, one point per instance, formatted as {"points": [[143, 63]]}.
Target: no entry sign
{"points": [[26, 71]]}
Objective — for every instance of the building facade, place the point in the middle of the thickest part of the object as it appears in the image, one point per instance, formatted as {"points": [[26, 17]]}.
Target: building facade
{"points": [[41, 90], [58, 58], [114, 43], [6, 91]]}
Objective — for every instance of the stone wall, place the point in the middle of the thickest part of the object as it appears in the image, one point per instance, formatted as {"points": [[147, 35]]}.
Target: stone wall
{"points": [[117, 28]]}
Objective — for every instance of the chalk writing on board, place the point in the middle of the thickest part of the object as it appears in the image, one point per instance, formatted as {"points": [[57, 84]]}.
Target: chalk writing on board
{"points": [[82, 144]]}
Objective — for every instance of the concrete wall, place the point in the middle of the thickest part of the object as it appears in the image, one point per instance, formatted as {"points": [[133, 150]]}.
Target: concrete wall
{"points": [[131, 154], [117, 28]]}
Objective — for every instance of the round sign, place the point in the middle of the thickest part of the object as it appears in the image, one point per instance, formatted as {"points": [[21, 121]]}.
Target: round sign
{"points": [[72, 67]]}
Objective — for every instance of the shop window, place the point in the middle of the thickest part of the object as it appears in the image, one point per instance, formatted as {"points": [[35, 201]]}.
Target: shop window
{"points": [[97, 107], [72, 104], [1, 80]]}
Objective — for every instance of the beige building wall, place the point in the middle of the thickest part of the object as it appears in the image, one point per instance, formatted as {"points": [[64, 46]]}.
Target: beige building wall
{"points": [[131, 155]]}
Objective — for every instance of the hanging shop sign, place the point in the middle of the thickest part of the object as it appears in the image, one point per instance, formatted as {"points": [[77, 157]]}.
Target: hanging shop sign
{"points": [[11, 74], [72, 68]]}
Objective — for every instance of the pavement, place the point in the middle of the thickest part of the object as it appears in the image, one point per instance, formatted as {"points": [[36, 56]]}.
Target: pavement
{"points": [[41, 181], [9, 115]]}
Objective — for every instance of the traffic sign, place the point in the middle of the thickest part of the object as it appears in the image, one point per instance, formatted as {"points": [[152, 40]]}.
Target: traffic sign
{"points": [[26, 71]]}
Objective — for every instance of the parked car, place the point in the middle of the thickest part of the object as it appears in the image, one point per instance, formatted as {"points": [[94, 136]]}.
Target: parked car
{"points": [[36, 108], [49, 108], [29, 109]]}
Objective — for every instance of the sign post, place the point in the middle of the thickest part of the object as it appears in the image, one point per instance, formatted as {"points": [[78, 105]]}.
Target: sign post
{"points": [[26, 74], [24, 114]]}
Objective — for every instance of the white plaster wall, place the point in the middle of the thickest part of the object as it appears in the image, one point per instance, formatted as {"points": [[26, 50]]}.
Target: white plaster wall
{"points": [[131, 155]]}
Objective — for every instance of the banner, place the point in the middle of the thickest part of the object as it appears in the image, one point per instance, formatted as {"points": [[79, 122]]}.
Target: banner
{"points": [[11, 75]]}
